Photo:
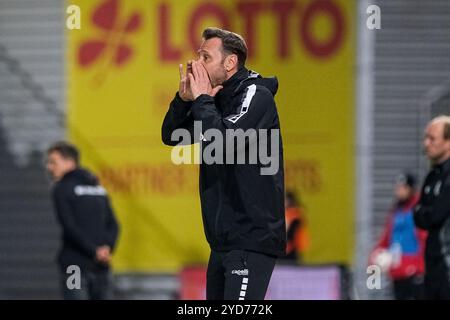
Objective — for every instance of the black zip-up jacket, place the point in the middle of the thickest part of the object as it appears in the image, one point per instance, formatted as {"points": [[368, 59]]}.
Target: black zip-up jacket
{"points": [[87, 220], [241, 208], [432, 213]]}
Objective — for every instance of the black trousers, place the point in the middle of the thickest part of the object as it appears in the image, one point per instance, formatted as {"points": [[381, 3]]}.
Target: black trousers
{"points": [[95, 285], [238, 275], [409, 288], [437, 284]]}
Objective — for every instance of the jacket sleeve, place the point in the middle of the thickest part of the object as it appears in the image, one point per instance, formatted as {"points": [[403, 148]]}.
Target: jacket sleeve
{"points": [[383, 242], [434, 216], [177, 117], [112, 227], [256, 110], [72, 231], [421, 236]]}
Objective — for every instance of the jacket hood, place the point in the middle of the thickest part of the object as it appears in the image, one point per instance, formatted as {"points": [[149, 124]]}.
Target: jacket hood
{"points": [[240, 81], [82, 176], [252, 77], [270, 83]]}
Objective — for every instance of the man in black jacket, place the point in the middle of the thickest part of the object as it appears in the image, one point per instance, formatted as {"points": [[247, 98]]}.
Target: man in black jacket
{"points": [[432, 213], [89, 228], [242, 201]]}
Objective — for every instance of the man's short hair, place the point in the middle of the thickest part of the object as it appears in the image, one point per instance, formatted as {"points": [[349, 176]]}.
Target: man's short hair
{"points": [[232, 43], [445, 120], [66, 150]]}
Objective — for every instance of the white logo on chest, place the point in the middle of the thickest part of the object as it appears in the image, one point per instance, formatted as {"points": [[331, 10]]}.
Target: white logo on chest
{"points": [[89, 191], [437, 188], [243, 272], [427, 189]]}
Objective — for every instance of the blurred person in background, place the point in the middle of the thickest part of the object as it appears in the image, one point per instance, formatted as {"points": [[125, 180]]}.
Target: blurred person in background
{"points": [[89, 228], [296, 229], [432, 213], [400, 250]]}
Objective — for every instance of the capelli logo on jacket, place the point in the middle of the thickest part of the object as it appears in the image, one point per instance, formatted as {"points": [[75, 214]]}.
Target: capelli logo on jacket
{"points": [[243, 272]]}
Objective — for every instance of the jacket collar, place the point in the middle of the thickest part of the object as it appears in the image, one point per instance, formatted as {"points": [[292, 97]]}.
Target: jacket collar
{"points": [[443, 166], [230, 85]]}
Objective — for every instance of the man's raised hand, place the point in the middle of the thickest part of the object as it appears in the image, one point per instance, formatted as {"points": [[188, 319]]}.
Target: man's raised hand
{"points": [[199, 81], [184, 89]]}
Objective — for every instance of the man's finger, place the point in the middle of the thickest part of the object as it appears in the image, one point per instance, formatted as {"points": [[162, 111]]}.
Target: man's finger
{"points": [[191, 79], [192, 82], [181, 71], [206, 74], [189, 66], [195, 70], [203, 73], [183, 84], [215, 90]]}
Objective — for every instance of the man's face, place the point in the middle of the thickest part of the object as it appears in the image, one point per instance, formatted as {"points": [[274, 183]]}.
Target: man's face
{"points": [[58, 166], [435, 146], [211, 56]]}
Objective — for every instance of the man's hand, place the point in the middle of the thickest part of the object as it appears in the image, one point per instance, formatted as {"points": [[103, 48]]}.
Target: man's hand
{"points": [[184, 89], [103, 254], [199, 81]]}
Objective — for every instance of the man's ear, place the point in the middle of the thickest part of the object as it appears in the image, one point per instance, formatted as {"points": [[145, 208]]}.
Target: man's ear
{"points": [[71, 164], [231, 62]]}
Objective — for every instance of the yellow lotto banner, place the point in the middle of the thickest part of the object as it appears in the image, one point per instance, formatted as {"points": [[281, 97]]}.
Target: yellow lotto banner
{"points": [[122, 72]]}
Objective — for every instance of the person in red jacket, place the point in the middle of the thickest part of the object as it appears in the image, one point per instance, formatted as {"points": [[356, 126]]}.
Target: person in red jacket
{"points": [[400, 250]]}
